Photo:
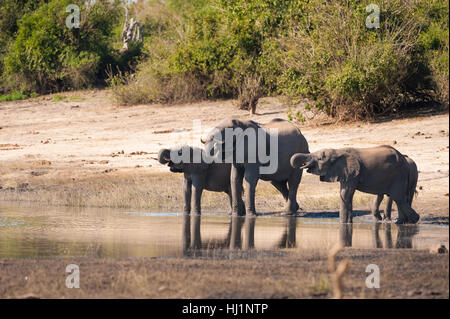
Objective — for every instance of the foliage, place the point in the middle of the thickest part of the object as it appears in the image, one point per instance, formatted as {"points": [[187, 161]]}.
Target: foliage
{"points": [[13, 96], [301, 49], [45, 55], [243, 49]]}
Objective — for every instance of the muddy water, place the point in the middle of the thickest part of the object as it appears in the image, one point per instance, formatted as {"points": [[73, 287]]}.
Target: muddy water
{"points": [[61, 232]]}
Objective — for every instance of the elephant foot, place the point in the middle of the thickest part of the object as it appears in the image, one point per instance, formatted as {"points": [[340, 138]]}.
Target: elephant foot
{"points": [[413, 219], [289, 213], [400, 221], [291, 209], [377, 217], [240, 214]]}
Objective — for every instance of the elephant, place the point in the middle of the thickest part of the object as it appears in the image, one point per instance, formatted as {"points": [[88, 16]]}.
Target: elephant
{"points": [[411, 191], [247, 147], [199, 176], [377, 170]]}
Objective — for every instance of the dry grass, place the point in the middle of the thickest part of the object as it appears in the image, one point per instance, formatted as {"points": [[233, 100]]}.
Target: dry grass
{"points": [[159, 191], [302, 275]]}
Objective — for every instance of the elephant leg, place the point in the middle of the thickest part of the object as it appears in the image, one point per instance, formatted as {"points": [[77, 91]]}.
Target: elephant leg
{"points": [[406, 215], [230, 198], [376, 207], [388, 210], [237, 176], [251, 177], [293, 182], [345, 213], [241, 210], [282, 188], [197, 191], [187, 193]]}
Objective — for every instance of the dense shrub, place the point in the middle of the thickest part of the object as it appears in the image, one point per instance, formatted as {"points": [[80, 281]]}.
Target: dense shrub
{"points": [[46, 55], [244, 49], [313, 49], [434, 45], [11, 12]]}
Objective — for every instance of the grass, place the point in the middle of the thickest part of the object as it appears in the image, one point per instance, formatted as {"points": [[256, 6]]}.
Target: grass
{"points": [[297, 275], [58, 98], [13, 96], [145, 190]]}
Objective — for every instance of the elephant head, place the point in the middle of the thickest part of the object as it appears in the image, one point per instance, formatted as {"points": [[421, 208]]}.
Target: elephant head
{"points": [[183, 159], [229, 136], [331, 165]]}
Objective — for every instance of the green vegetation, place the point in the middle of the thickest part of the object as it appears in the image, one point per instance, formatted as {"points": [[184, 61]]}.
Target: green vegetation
{"points": [[317, 50], [13, 96], [44, 55]]}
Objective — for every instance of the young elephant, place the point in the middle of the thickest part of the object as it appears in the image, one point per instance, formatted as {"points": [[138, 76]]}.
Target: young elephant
{"points": [[411, 190], [199, 176], [377, 170]]}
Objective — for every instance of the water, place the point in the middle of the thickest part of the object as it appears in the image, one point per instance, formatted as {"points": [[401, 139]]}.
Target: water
{"points": [[63, 232]]}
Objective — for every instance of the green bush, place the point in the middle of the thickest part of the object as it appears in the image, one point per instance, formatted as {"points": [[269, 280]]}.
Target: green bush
{"points": [[13, 96], [48, 56], [200, 49], [434, 40], [313, 49]]}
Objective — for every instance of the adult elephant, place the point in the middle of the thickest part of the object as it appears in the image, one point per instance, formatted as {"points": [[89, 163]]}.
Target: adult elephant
{"points": [[377, 170], [410, 192], [258, 152]]}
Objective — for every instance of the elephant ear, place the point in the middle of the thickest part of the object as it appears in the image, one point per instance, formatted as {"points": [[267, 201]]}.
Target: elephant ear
{"points": [[344, 168]]}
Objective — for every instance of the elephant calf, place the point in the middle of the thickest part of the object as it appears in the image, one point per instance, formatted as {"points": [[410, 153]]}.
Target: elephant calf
{"points": [[377, 170], [411, 190], [198, 177]]}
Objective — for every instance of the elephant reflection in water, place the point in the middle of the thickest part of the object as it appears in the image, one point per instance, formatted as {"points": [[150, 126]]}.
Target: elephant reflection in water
{"points": [[191, 238], [405, 234], [289, 236], [192, 243]]}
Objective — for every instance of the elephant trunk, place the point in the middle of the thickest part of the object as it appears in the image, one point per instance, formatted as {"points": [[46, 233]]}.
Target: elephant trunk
{"points": [[164, 156], [301, 160]]}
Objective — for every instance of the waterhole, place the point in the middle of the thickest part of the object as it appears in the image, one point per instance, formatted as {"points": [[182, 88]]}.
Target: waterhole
{"points": [[43, 232]]}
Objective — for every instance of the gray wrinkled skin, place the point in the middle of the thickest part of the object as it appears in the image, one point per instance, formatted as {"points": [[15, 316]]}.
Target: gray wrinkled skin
{"points": [[198, 177], [411, 190], [378, 170], [285, 178]]}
